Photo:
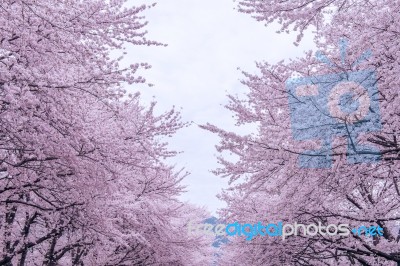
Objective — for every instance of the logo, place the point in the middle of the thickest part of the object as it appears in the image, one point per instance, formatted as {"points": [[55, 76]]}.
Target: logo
{"points": [[250, 231], [342, 104]]}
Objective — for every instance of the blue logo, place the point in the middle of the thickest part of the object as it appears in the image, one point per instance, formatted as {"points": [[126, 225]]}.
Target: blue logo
{"points": [[342, 104], [250, 231], [368, 231]]}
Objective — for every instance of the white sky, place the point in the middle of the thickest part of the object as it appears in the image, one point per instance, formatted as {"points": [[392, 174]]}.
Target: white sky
{"points": [[207, 41]]}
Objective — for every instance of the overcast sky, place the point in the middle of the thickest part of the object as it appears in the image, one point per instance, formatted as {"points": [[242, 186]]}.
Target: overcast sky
{"points": [[207, 41]]}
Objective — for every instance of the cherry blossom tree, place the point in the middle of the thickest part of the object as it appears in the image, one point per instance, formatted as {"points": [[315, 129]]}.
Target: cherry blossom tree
{"points": [[267, 182], [83, 173]]}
